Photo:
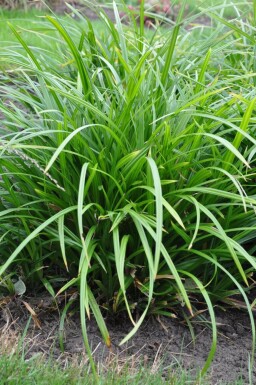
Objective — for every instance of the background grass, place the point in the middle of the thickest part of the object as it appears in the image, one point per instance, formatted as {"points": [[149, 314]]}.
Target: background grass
{"points": [[17, 371], [26, 23], [31, 22], [33, 27]]}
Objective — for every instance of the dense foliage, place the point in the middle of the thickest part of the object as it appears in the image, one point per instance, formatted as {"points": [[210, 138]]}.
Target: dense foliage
{"points": [[127, 166]]}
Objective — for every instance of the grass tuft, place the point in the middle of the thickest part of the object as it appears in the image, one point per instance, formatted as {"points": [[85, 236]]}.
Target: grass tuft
{"points": [[127, 165]]}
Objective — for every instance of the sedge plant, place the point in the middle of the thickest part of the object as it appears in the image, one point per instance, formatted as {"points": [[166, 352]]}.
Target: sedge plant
{"points": [[127, 165]]}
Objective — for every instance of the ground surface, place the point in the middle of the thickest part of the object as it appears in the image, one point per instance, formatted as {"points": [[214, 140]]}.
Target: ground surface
{"points": [[166, 341], [62, 7]]}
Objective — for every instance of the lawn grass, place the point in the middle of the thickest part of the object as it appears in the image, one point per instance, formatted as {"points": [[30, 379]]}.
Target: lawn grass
{"points": [[224, 8], [33, 27], [14, 370], [29, 25], [18, 372]]}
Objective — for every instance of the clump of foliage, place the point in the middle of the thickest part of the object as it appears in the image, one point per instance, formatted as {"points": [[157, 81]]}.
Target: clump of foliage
{"points": [[127, 166]]}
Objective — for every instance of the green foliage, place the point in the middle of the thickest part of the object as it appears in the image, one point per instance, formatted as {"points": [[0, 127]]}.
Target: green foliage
{"points": [[17, 371], [127, 168]]}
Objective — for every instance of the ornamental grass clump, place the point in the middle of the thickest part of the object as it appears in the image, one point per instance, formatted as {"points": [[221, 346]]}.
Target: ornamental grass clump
{"points": [[127, 165]]}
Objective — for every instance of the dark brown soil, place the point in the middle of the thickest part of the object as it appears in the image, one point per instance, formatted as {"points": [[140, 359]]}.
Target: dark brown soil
{"points": [[159, 341], [62, 7]]}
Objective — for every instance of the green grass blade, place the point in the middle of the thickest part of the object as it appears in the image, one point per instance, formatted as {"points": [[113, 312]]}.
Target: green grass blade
{"points": [[120, 253], [201, 77], [239, 136], [81, 200], [233, 27], [159, 211], [62, 240], [25, 46], [172, 44], [77, 55], [99, 318], [213, 322], [142, 24], [32, 235]]}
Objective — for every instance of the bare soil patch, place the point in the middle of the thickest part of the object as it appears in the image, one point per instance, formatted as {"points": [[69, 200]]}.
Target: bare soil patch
{"points": [[159, 341]]}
